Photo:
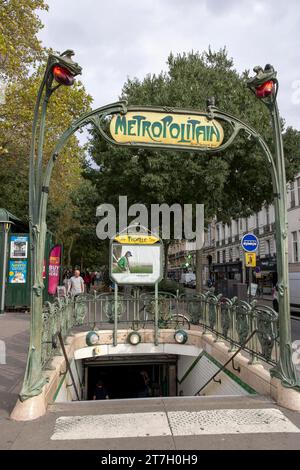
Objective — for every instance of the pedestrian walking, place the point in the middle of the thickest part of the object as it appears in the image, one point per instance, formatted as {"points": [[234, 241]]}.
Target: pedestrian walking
{"points": [[76, 284], [100, 392], [87, 280]]}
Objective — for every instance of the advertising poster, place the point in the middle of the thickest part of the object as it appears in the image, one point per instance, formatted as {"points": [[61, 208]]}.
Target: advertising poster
{"points": [[17, 272], [18, 246], [44, 269], [136, 264], [54, 269]]}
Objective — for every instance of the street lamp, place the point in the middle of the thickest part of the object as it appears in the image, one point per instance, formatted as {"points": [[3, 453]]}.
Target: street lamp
{"points": [[264, 84], [6, 224], [180, 336], [91, 338], [63, 70], [134, 338], [62, 75], [265, 87]]}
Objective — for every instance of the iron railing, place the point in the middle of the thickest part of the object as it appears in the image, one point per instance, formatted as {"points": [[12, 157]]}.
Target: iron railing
{"points": [[231, 320], [223, 367]]}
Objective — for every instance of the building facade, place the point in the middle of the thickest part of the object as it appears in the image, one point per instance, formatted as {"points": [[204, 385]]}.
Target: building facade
{"points": [[223, 257]]}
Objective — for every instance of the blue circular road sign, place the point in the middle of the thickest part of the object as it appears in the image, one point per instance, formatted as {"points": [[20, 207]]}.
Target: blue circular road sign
{"points": [[250, 242]]}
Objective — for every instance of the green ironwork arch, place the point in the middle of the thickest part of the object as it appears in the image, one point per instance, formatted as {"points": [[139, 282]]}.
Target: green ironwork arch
{"points": [[38, 198]]}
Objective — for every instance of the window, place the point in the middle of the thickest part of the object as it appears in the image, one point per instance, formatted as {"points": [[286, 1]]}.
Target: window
{"points": [[230, 254], [241, 224], [267, 215], [295, 247], [209, 237], [292, 192], [218, 233], [237, 253], [218, 257], [298, 186], [257, 219], [247, 226], [230, 230], [224, 256], [267, 247]]}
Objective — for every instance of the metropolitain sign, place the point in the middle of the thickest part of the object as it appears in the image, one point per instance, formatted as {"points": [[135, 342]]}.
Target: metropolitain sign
{"points": [[175, 129]]}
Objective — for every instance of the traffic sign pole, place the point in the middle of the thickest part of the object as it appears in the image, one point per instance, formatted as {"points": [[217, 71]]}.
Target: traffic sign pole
{"points": [[250, 244]]}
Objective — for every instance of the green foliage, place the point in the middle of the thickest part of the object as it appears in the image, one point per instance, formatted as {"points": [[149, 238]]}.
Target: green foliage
{"points": [[15, 131], [22, 65], [167, 285], [232, 184], [19, 46]]}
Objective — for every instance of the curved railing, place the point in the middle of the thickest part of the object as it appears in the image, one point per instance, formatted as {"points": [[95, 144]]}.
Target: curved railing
{"points": [[234, 320], [229, 320]]}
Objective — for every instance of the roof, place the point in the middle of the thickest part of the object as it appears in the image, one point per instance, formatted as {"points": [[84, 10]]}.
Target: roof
{"points": [[17, 224], [6, 216]]}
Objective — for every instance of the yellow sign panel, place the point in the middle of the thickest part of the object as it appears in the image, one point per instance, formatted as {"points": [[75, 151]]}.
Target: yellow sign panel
{"points": [[250, 260], [153, 127], [136, 239]]}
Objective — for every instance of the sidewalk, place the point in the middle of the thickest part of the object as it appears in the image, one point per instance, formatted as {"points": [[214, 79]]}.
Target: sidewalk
{"points": [[162, 423], [14, 331], [179, 423]]}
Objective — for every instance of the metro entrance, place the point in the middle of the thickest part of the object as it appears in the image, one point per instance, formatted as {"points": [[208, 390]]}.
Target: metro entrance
{"points": [[123, 376], [194, 131]]}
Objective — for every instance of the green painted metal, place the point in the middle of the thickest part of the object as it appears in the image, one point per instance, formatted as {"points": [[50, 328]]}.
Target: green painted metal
{"points": [[64, 313], [156, 313], [115, 333], [285, 369], [230, 374], [39, 189], [34, 380], [17, 295]]}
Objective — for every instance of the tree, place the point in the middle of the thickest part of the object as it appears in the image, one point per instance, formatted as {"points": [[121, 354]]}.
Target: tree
{"points": [[232, 184], [20, 48], [15, 131], [22, 63], [86, 246]]}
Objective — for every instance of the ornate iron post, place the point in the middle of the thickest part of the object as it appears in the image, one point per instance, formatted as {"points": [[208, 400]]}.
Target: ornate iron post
{"points": [[265, 86], [63, 70]]}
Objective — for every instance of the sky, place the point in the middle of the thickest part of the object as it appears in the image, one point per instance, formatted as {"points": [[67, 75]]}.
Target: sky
{"points": [[117, 39]]}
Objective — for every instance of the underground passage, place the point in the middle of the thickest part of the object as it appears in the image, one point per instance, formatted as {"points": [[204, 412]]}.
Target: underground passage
{"points": [[149, 375], [130, 377]]}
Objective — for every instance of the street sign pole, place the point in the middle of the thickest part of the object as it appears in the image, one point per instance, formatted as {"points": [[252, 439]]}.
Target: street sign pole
{"points": [[250, 244], [249, 282]]}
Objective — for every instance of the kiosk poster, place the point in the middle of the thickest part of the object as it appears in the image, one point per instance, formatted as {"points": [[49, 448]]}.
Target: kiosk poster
{"points": [[18, 246], [17, 272]]}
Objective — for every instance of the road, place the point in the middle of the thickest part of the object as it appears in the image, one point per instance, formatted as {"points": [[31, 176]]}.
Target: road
{"points": [[295, 328]]}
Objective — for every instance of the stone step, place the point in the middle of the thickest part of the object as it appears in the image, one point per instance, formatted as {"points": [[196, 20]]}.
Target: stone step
{"points": [[168, 417], [150, 404]]}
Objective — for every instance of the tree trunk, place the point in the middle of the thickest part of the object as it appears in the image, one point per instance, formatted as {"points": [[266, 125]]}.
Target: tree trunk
{"points": [[166, 251], [69, 252], [199, 274]]}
